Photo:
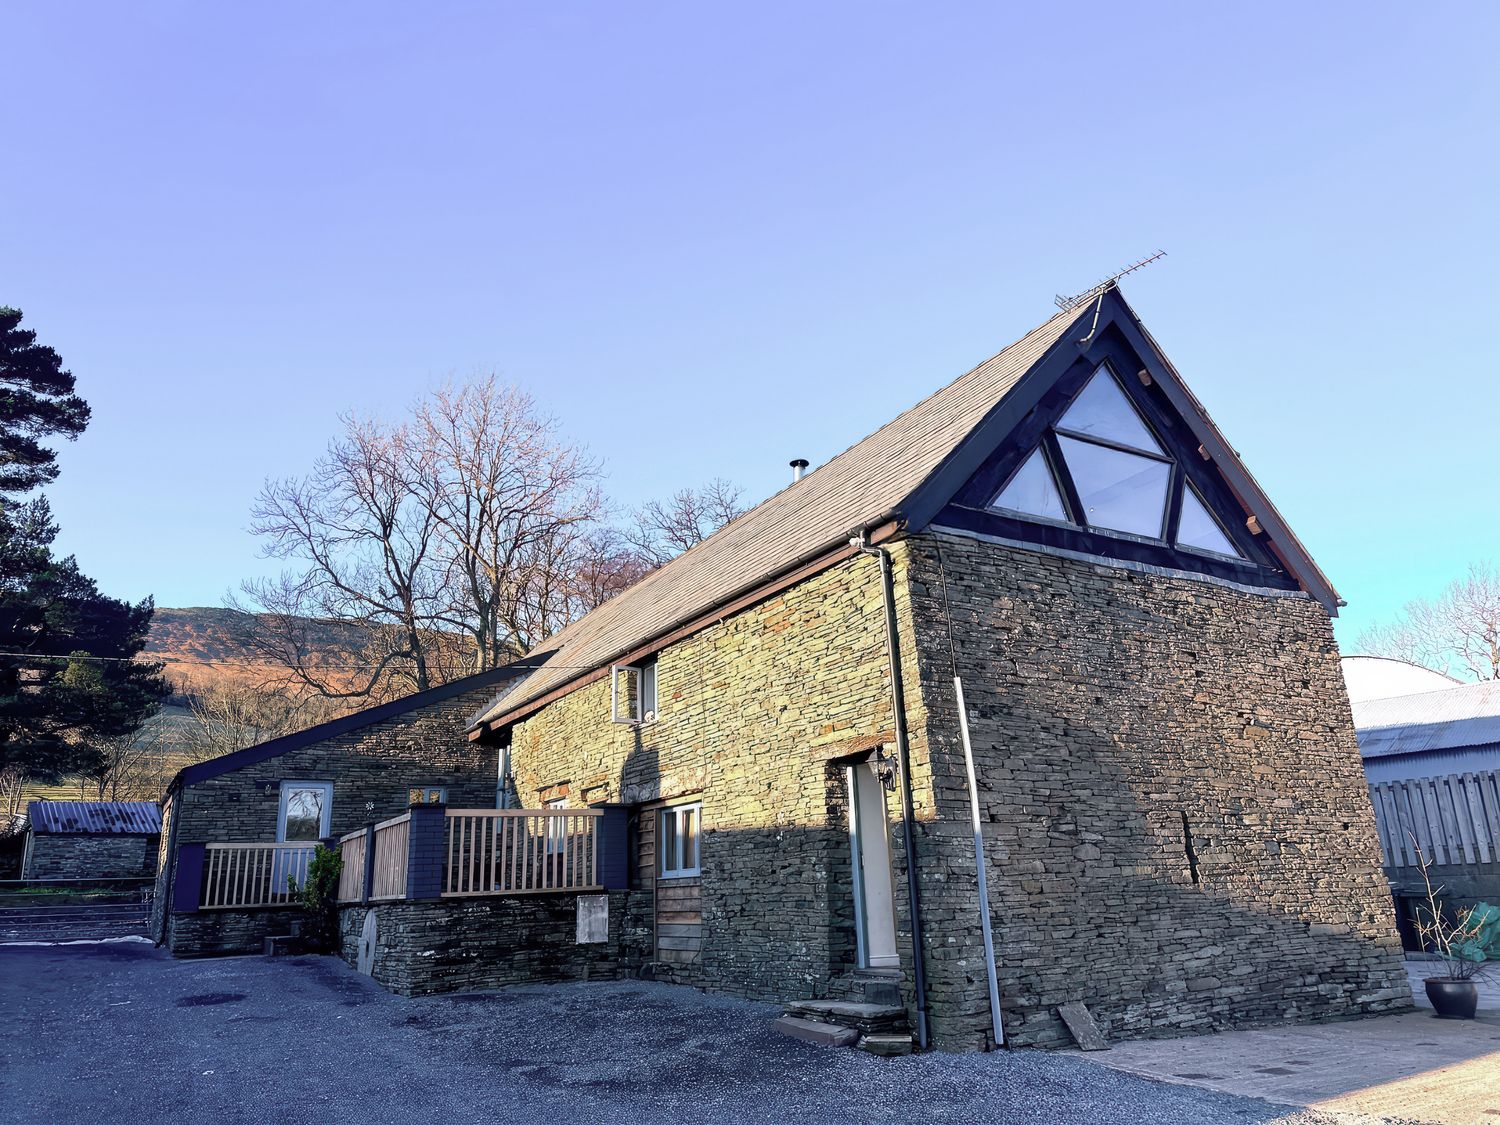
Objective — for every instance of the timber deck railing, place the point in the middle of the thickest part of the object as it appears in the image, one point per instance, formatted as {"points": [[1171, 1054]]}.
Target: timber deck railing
{"points": [[237, 876], [1453, 819], [435, 852], [520, 851]]}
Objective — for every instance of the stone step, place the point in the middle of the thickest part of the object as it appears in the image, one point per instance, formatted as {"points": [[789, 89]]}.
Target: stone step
{"points": [[866, 1018], [827, 1034], [886, 1046]]}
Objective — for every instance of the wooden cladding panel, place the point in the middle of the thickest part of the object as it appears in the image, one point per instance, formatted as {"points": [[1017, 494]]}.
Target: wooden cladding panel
{"points": [[679, 920]]}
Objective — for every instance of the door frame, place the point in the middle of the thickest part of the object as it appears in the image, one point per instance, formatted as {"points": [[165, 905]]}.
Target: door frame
{"points": [[871, 841]]}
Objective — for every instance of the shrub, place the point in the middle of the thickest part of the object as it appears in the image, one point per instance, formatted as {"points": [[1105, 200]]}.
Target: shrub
{"points": [[318, 896]]}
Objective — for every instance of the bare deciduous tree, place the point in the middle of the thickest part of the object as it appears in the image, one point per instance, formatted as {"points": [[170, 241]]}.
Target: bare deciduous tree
{"points": [[452, 543], [229, 718], [12, 788], [368, 554], [133, 767], [1457, 633], [663, 530], [514, 501]]}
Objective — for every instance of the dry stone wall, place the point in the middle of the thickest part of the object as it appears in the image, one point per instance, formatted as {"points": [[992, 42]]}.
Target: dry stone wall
{"points": [[752, 714], [104, 856], [455, 945], [1175, 815]]}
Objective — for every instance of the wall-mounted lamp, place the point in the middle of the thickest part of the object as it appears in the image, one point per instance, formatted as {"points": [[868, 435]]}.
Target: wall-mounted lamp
{"points": [[885, 768]]}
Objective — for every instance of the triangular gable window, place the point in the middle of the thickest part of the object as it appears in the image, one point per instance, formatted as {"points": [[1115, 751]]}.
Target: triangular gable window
{"points": [[1120, 491], [1196, 527], [1032, 491], [1105, 469], [1102, 412]]}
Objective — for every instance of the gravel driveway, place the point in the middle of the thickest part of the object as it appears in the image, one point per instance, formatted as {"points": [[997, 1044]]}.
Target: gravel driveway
{"points": [[123, 1033]]}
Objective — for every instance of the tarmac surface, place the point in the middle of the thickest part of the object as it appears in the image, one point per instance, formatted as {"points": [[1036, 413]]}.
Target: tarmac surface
{"points": [[120, 1032]]}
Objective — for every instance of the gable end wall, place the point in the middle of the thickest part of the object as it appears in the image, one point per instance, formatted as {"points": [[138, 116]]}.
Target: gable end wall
{"points": [[1108, 709]]}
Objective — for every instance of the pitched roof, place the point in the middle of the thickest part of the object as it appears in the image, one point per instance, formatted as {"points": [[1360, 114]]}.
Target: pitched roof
{"points": [[905, 470], [274, 748], [859, 488], [1447, 719], [115, 818]]}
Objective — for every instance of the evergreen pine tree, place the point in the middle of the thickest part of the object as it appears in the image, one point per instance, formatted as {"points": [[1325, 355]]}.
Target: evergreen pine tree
{"points": [[69, 674]]}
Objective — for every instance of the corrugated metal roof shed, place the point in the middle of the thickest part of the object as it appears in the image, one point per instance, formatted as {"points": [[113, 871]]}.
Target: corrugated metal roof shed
{"points": [[1456, 717], [120, 818]]}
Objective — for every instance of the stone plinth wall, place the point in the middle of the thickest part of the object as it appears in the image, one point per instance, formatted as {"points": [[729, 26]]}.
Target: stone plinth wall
{"points": [[1175, 815], [451, 945], [102, 856], [216, 933]]}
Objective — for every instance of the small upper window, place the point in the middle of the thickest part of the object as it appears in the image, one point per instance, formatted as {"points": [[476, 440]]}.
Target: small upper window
{"points": [[633, 694], [426, 795]]}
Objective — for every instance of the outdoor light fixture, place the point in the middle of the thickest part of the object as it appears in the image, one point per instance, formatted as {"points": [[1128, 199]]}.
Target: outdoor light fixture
{"points": [[885, 768]]}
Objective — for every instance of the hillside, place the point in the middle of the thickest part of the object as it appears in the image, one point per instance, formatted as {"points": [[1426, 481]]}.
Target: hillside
{"points": [[205, 647]]}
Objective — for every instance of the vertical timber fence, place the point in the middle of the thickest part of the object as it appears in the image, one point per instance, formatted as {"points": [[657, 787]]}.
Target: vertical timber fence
{"points": [[1448, 821]]}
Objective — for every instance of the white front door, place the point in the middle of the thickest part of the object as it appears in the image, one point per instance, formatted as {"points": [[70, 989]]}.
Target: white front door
{"points": [[874, 889]]}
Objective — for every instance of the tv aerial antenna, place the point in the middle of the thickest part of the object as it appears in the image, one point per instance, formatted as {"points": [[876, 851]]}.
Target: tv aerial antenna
{"points": [[1066, 303]]}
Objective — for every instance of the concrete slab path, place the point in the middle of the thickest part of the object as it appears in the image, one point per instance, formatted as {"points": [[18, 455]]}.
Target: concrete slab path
{"points": [[1410, 1067]]}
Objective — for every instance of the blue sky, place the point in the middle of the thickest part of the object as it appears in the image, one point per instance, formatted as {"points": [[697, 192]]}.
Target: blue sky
{"points": [[714, 237]]}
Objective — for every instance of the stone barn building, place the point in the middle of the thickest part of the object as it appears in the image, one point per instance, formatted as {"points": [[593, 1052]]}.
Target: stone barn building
{"points": [[91, 840], [1031, 697], [237, 827]]}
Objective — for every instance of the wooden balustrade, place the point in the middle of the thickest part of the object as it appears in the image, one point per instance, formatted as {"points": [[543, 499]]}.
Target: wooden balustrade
{"points": [[352, 873], [391, 838], [520, 851], [236, 876]]}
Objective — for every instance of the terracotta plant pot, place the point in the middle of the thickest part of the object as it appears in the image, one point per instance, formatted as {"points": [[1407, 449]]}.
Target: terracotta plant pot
{"points": [[1453, 999]]}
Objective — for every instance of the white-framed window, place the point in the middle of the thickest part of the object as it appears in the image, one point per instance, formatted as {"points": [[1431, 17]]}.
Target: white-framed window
{"points": [[427, 795], [305, 811], [557, 827], [678, 829], [633, 692]]}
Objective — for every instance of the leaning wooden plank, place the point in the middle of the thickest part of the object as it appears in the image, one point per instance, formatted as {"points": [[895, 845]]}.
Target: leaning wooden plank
{"points": [[1489, 795], [1438, 856], [1452, 830], [1380, 801], [1474, 811]]}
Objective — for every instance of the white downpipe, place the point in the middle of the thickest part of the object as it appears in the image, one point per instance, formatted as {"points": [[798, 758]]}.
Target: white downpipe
{"points": [[979, 866]]}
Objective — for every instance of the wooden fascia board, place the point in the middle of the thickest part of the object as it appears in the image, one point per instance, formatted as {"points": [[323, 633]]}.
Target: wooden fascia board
{"points": [[933, 494], [744, 600], [1283, 542]]}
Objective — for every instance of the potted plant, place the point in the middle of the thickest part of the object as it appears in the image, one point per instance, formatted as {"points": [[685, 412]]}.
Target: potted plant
{"points": [[1467, 940]]}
